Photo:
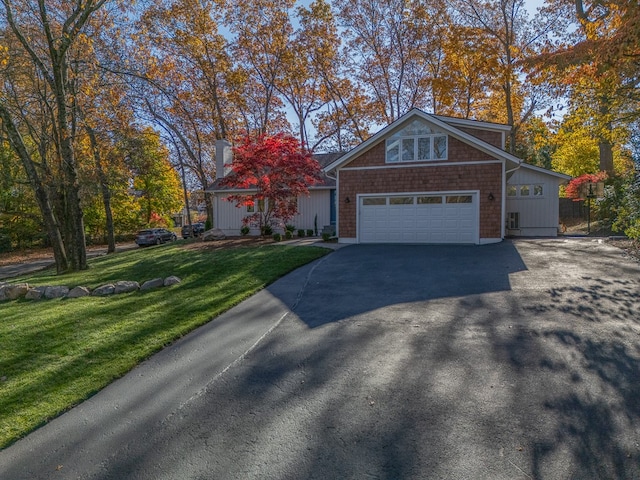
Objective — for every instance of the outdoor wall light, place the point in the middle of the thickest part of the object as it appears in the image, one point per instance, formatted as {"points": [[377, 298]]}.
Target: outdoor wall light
{"points": [[347, 200], [491, 197]]}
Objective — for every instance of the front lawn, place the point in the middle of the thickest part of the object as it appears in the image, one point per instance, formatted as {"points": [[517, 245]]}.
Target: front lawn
{"points": [[56, 353]]}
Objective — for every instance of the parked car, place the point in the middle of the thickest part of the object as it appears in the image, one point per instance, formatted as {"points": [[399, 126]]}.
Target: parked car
{"points": [[194, 230], [154, 236]]}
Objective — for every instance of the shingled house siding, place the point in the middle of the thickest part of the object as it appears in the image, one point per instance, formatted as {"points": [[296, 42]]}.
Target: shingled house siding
{"points": [[457, 152], [493, 138], [487, 178]]}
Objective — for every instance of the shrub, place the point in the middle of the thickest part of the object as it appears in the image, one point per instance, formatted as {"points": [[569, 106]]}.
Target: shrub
{"points": [[301, 233], [207, 225], [267, 230], [326, 237], [309, 233], [628, 219], [244, 230], [288, 234], [290, 228], [277, 237], [5, 243]]}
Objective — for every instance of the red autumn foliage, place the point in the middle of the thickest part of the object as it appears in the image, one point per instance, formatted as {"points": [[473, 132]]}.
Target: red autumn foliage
{"points": [[574, 186], [277, 170], [156, 220]]}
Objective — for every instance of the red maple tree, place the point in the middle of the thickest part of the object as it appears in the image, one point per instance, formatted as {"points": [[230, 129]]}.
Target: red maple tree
{"points": [[574, 187], [276, 170]]}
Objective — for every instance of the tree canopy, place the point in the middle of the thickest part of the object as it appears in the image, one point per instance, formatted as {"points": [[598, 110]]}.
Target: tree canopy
{"points": [[82, 79], [275, 170]]}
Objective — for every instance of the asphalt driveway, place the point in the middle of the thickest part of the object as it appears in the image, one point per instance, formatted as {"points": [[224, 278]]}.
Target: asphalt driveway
{"points": [[519, 360]]}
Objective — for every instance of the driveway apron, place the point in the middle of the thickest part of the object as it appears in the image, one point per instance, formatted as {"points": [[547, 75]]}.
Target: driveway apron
{"points": [[517, 360]]}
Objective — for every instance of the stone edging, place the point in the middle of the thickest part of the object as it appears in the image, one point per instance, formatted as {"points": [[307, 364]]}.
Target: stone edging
{"points": [[9, 291]]}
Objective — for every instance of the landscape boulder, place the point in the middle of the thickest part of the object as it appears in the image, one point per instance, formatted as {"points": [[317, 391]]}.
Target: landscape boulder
{"points": [[78, 292], [104, 290], [18, 290], [35, 293], [155, 283], [213, 234], [55, 292], [126, 286], [172, 280]]}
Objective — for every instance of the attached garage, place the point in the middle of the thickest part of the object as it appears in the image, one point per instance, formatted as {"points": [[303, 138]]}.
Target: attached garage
{"points": [[431, 179], [419, 218]]}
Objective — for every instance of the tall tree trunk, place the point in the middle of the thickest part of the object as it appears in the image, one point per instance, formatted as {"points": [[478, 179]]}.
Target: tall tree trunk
{"points": [[184, 186], [604, 144], [606, 157], [74, 220], [104, 188], [42, 197]]}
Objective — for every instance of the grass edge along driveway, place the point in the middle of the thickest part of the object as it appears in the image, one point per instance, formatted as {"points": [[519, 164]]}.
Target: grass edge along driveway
{"points": [[56, 353]]}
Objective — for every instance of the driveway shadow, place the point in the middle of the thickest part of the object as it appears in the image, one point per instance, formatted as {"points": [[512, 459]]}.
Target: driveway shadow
{"points": [[363, 278]]}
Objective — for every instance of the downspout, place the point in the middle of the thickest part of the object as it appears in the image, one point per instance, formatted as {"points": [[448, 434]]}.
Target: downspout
{"points": [[504, 197]]}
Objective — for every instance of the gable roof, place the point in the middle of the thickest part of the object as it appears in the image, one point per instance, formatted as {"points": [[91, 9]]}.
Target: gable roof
{"points": [[446, 126], [535, 168]]}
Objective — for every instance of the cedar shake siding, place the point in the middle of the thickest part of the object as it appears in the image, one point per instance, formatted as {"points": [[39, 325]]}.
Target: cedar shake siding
{"points": [[484, 177], [492, 138], [457, 152]]}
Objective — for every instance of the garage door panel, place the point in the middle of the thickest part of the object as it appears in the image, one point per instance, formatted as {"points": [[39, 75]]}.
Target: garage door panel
{"points": [[419, 219]]}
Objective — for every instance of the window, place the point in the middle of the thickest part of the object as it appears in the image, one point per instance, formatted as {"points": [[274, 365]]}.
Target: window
{"points": [[440, 147], [429, 200], [393, 150], [408, 149], [459, 199], [374, 201], [417, 149], [416, 142], [401, 201], [251, 207], [424, 148], [526, 191], [261, 205]]}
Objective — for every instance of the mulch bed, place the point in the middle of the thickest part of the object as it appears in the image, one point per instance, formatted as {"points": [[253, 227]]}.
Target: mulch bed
{"points": [[229, 242], [630, 247]]}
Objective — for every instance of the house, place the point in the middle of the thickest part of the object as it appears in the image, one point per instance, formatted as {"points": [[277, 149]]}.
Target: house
{"points": [[426, 179], [315, 211]]}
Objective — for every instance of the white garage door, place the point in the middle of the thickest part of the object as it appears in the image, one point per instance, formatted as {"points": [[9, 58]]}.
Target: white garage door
{"points": [[428, 218]]}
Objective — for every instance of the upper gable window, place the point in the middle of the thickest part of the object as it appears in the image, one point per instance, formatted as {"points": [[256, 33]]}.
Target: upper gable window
{"points": [[415, 143]]}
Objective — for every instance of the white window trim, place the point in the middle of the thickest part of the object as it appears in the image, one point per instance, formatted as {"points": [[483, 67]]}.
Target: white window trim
{"points": [[415, 139], [531, 190]]}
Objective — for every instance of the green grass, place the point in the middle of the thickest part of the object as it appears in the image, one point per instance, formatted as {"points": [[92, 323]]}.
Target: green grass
{"points": [[56, 353]]}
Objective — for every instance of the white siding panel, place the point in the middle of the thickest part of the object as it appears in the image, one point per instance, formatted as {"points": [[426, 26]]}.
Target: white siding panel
{"points": [[228, 217], [317, 203], [538, 215]]}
